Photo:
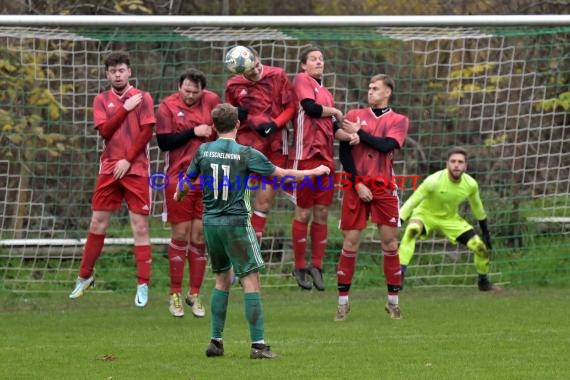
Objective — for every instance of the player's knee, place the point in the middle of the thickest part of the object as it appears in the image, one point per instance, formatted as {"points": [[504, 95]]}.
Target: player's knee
{"points": [[477, 246], [98, 225], [320, 213], [389, 244], [413, 230], [140, 231]]}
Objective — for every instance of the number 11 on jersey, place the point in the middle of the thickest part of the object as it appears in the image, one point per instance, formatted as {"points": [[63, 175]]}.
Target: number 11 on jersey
{"points": [[225, 186]]}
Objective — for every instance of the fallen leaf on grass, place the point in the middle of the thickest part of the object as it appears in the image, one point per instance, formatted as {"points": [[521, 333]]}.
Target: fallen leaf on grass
{"points": [[107, 358]]}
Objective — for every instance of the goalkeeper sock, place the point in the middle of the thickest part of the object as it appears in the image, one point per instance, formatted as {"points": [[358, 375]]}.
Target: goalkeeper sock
{"points": [[254, 315], [481, 255]]}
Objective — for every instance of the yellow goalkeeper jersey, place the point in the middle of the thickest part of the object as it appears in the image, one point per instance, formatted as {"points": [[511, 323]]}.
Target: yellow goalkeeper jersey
{"points": [[438, 196]]}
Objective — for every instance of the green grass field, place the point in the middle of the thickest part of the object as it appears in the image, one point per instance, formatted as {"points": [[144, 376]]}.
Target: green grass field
{"points": [[445, 334]]}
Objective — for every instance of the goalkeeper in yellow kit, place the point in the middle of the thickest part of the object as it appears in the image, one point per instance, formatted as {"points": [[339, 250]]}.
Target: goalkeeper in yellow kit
{"points": [[434, 206]]}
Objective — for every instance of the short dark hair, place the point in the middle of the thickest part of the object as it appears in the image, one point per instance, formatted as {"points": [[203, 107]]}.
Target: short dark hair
{"points": [[305, 53], [225, 117], [193, 75], [457, 150], [117, 58]]}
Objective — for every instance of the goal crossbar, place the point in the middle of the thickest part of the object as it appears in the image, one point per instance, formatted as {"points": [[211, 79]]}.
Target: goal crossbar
{"points": [[300, 21]]}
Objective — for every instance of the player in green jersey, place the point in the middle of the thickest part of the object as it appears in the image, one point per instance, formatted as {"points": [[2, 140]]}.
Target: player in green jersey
{"points": [[434, 206], [224, 167]]}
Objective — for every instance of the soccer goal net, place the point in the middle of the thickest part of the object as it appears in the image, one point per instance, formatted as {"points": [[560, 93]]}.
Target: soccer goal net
{"points": [[501, 92]]}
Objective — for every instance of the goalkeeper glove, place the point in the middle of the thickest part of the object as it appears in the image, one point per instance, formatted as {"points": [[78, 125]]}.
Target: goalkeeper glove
{"points": [[485, 232], [265, 129]]}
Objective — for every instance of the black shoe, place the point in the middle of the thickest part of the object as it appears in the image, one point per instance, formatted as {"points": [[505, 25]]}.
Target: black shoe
{"points": [[261, 351], [302, 277], [215, 348], [487, 286], [317, 275]]}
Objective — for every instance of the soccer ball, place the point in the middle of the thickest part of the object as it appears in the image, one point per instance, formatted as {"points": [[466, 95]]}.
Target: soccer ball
{"points": [[239, 59]]}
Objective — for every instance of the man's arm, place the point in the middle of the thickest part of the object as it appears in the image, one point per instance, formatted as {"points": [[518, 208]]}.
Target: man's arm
{"points": [[316, 110], [191, 174], [170, 141], [265, 129], [417, 197], [229, 97], [298, 175], [109, 127], [141, 140], [242, 114], [347, 161], [381, 144], [476, 204]]}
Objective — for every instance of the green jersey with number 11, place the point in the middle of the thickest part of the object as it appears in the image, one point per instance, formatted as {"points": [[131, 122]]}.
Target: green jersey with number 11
{"points": [[224, 168]]}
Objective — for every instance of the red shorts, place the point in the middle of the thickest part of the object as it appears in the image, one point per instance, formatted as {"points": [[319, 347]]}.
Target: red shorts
{"points": [[315, 190], [383, 209], [189, 208], [110, 192]]}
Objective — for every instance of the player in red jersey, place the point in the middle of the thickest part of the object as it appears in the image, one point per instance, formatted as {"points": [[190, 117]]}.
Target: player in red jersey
{"points": [[124, 117], [184, 121], [266, 103], [381, 131], [313, 145]]}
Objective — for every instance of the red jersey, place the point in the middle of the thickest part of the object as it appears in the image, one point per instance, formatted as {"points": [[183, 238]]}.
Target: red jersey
{"points": [[367, 160], [313, 136], [105, 105], [175, 116], [264, 100]]}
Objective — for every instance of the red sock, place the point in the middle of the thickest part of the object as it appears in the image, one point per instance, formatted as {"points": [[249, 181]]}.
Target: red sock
{"points": [[319, 234], [143, 256], [176, 259], [258, 223], [91, 251], [299, 236], [197, 260], [392, 271], [345, 271]]}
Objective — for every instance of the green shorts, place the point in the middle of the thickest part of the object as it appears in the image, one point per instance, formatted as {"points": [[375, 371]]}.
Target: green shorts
{"points": [[233, 246], [451, 227]]}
